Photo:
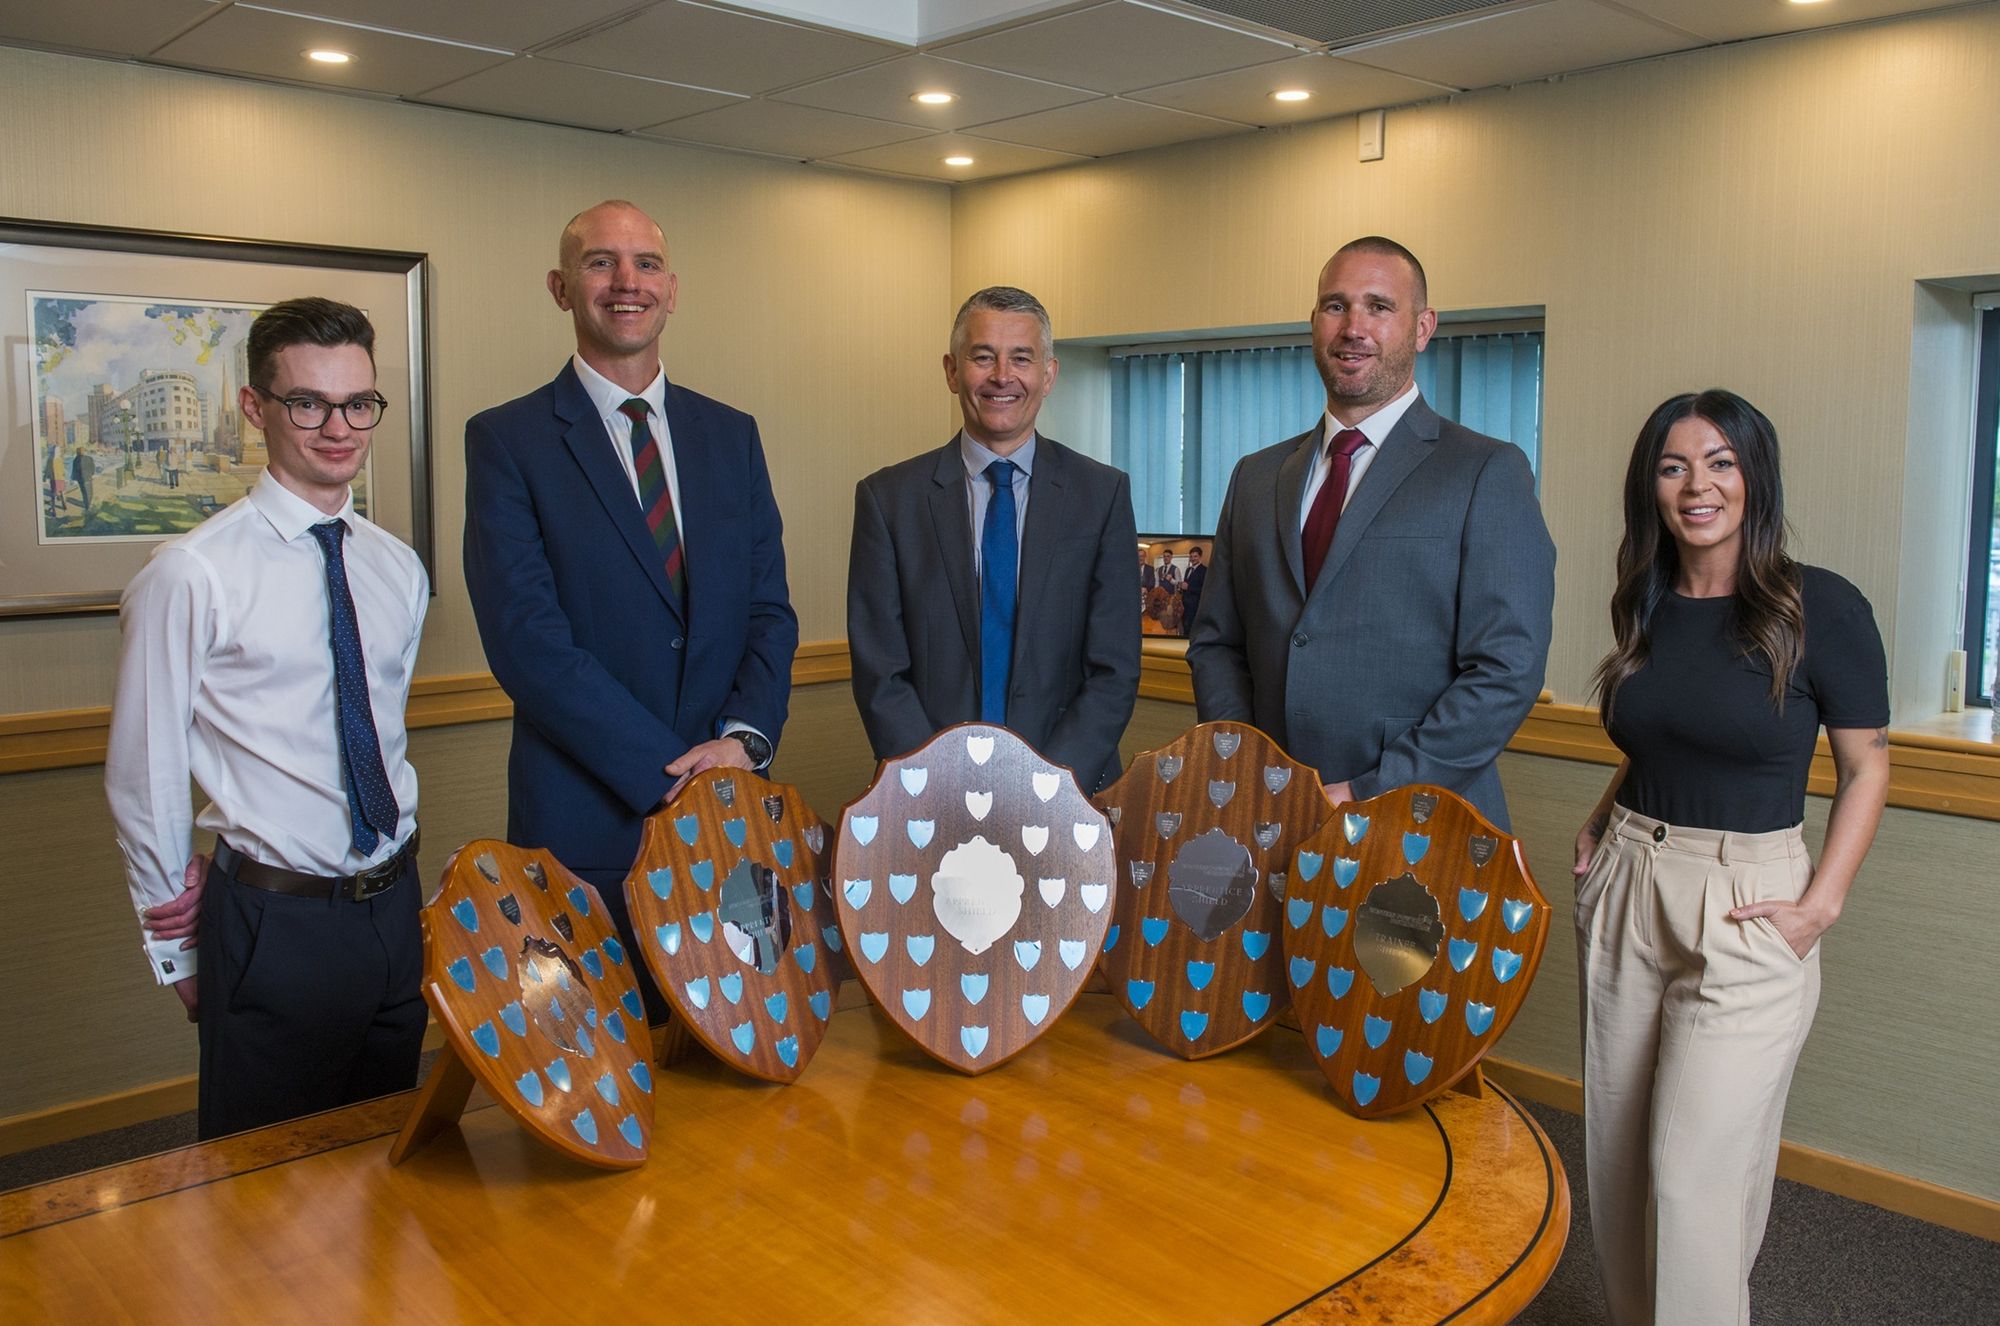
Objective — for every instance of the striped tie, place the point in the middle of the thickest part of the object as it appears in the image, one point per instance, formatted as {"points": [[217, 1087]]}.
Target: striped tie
{"points": [[654, 497]]}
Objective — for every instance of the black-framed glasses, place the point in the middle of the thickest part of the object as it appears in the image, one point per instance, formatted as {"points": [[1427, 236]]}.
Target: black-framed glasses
{"points": [[312, 412]]}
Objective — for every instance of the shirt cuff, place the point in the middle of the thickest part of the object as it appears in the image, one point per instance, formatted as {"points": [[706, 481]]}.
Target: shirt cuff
{"points": [[730, 725], [171, 962]]}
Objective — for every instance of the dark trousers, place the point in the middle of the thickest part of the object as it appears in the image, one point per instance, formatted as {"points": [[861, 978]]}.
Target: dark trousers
{"points": [[306, 1003], [610, 885]]}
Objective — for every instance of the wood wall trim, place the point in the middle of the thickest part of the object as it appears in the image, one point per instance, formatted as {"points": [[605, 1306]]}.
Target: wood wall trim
{"points": [[66, 738], [1927, 771], [1963, 1211]]}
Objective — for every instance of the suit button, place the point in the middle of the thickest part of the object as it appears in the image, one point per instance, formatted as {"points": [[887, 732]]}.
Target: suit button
{"points": [[1659, 833], [677, 642], [1301, 640]]}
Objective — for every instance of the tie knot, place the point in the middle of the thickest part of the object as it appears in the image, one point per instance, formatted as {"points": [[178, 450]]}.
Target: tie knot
{"points": [[1001, 472], [1346, 442], [329, 533], [634, 409]]}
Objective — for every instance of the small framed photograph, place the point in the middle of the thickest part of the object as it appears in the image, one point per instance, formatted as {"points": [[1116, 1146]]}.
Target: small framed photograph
{"points": [[1173, 570], [126, 350]]}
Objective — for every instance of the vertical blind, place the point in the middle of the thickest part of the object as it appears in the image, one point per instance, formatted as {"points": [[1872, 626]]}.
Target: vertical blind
{"points": [[1181, 420]]}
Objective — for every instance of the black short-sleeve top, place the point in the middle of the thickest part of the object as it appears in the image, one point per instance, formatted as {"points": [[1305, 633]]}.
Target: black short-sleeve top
{"points": [[1708, 750]]}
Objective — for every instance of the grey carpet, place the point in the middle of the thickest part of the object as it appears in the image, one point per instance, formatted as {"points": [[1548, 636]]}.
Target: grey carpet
{"points": [[1827, 1261]]}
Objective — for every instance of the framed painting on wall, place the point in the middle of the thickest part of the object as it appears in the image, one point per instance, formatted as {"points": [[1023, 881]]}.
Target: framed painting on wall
{"points": [[1173, 569], [127, 350]]}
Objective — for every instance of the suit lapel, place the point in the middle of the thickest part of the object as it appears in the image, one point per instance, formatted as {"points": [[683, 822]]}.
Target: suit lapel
{"points": [[1409, 442], [1292, 476], [701, 499], [1048, 516], [590, 444], [953, 529]]}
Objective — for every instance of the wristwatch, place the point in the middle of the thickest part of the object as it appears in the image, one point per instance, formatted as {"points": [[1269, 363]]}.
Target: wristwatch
{"points": [[754, 745]]}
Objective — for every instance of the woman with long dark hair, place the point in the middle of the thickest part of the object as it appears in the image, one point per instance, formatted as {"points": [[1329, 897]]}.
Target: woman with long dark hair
{"points": [[1698, 911]]}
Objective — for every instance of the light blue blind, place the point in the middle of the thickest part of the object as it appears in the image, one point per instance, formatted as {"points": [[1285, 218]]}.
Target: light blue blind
{"points": [[1147, 436], [1181, 421]]}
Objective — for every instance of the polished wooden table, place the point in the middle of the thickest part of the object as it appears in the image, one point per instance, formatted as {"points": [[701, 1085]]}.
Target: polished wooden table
{"points": [[1094, 1178]]}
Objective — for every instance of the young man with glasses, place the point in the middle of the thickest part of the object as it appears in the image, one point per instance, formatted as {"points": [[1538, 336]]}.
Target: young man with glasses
{"points": [[267, 654]]}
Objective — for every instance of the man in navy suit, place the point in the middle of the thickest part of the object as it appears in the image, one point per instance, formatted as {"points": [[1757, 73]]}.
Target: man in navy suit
{"points": [[627, 569]]}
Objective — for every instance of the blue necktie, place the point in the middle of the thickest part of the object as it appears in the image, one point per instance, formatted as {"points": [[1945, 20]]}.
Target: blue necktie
{"points": [[371, 805], [999, 555]]}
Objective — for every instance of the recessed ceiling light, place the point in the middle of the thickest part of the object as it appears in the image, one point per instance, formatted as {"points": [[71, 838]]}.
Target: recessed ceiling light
{"points": [[958, 161], [933, 98], [1291, 94], [329, 57]]}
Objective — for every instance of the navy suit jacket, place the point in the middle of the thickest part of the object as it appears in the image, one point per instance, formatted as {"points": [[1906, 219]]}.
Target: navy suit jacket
{"points": [[1422, 644], [913, 608], [611, 676]]}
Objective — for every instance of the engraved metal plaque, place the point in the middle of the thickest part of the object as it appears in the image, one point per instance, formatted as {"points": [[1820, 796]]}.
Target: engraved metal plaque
{"points": [[1211, 883], [976, 893], [756, 923], [1397, 933]]}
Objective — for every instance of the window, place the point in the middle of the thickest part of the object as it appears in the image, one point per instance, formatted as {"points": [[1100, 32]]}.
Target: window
{"points": [[1182, 416], [1982, 581]]}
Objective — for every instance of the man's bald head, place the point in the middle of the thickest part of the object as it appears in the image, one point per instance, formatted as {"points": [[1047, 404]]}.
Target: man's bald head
{"points": [[574, 235]]}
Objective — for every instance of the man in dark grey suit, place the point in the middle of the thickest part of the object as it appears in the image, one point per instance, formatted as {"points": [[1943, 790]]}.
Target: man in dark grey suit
{"points": [[992, 579], [1380, 595]]}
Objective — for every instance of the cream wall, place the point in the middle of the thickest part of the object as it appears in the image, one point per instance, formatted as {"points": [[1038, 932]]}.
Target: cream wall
{"points": [[816, 300], [1754, 216]]}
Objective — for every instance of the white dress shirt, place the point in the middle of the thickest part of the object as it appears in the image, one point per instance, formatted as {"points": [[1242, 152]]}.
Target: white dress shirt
{"points": [[607, 396], [1376, 428], [979, 491], [225, 673]]}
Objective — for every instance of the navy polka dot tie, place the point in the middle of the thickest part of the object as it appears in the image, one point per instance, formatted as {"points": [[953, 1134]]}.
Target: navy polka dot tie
{"points": [[371, 805]]}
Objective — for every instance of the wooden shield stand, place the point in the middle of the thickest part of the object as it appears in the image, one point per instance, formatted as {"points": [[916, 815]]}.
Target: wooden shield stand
{"points": [[523, 971], [1412, 934], [973, 881], [1205, 828], [730, 903]]}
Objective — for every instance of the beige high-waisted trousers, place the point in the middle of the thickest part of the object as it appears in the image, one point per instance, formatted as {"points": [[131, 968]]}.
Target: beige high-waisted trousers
{"points": [[1692, 1024]]}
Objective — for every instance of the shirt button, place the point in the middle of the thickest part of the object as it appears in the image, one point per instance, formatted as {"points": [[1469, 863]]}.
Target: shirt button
{"points": [[1659, 833], [1301, 640]]}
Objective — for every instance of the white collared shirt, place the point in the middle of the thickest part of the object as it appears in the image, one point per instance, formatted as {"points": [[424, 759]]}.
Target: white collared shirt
{"points": [[979, 490], [1376, 428], [607, 396], [225, 673]]}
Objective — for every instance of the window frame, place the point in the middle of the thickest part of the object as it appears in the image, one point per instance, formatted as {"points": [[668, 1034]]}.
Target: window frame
{"points": [[1980, 555]]}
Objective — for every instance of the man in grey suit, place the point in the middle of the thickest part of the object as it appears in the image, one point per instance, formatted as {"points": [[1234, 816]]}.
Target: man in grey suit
{"points": [[992, 579], [1381, 589]]}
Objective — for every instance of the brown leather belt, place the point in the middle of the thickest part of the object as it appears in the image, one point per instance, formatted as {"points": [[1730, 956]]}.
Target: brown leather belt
{"points": [[276, 879]]}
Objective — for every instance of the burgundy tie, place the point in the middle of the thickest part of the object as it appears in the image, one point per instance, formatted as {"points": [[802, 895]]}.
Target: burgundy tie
{"points": [[1324, 517]]}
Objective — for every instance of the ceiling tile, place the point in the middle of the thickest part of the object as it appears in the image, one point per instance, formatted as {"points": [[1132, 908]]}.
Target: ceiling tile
{"points": [[513, 25], [1117, 47], [925, 157], [1520, 45], [775, 128], [884, 91], [570, 94], [1733, 20], [1108, 126], [1337, 87], [119, 27], [270, 45], [686, 43]]}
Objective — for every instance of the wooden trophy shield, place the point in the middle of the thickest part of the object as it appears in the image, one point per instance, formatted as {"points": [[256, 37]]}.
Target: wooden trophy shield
{"points": [[1412, 934], [730, 904], [1205, 828], [526, 975], [973, 881]]}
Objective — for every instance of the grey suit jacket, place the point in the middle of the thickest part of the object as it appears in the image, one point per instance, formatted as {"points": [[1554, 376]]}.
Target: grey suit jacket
{"points": [[1423, 643], [913, 608]]}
